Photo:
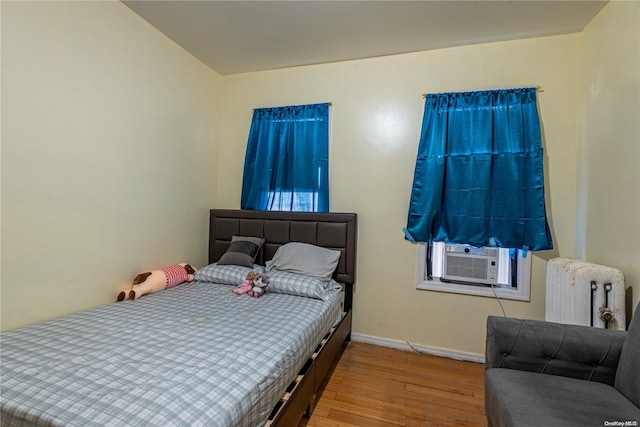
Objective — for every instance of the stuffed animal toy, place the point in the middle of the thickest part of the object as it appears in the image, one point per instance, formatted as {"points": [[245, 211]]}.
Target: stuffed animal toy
{"points": [[158, 280], [245, 286], [260, 285]]}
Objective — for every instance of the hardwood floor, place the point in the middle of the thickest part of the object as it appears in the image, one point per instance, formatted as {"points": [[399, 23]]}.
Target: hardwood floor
{"points": [[378, 386]]}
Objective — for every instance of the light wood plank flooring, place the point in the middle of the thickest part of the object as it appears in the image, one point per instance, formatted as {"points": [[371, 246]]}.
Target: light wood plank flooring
{"points": [[377, 386]]}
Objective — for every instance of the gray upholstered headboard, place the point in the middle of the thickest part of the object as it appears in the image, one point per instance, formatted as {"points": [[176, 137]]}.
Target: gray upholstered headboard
{"points": [[336, 231]]}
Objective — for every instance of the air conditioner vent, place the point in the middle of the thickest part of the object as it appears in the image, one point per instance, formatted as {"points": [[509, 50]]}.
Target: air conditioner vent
{"points": [[463, 263]]}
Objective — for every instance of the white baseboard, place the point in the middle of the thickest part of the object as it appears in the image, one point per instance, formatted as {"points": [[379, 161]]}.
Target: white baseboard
{"points": [[404, 345]]}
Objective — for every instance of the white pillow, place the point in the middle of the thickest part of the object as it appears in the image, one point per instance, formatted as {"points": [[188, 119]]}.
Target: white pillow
{"points": [[303, 258]]}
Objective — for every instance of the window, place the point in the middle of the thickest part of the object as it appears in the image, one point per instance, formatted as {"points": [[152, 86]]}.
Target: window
{"points": [[479, 181], [287, 159], [299, 200], [512, 278]]}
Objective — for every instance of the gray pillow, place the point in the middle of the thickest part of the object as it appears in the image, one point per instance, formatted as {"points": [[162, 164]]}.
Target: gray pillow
{"points": [[242, 251], [303, 258]]}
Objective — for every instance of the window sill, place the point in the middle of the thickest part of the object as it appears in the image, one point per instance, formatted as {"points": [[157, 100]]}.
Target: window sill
{"points": [[521, 293], [482, 291]]}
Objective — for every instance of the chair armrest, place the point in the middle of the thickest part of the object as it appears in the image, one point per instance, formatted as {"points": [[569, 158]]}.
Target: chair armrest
{"points": [[574, 351]]}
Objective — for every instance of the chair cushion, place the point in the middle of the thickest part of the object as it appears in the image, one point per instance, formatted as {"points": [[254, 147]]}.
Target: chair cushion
{"points": [[628, 373], [520, 398]]}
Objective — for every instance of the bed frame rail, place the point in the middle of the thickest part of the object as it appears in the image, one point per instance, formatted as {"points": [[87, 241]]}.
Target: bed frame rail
{"points": [[300, 397]]}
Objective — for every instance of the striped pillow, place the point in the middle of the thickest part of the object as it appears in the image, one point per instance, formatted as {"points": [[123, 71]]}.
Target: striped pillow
{"points": [[225, 274], [283, 282]]}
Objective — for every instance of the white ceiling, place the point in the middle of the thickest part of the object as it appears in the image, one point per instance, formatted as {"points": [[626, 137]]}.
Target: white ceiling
{"points": [[240, 36]]}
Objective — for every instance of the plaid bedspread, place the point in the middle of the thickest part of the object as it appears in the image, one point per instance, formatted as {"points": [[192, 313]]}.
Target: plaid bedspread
{"points": [[193, 355]]}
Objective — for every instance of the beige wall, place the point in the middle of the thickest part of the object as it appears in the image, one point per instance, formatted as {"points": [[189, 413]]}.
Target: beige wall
{"points": [[376, 118], [109, 131], [115, 143], [609, 144]]}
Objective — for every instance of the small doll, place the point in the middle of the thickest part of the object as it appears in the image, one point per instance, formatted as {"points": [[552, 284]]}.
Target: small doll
{"points": [[260, 285], [245, 286]]}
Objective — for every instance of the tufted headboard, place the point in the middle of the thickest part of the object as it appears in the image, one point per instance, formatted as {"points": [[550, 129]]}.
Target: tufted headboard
{"points": [[336, 231]]}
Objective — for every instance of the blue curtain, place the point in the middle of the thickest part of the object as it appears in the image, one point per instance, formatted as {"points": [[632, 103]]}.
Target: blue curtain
{"points": [[478, 178], [286, 165]]}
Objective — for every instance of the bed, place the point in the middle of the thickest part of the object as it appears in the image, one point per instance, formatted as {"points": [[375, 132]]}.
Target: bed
{"points": [[196, 354]]}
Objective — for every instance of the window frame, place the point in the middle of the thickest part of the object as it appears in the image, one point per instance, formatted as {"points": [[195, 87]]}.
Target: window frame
{"points": [[522, 292]]}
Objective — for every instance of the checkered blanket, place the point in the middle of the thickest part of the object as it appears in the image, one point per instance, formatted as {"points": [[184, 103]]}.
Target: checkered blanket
{"points": [[193, 355]]}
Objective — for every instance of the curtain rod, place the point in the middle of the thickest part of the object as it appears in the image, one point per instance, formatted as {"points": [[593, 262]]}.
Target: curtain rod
{"points": [[281, 106], [538, 88]]}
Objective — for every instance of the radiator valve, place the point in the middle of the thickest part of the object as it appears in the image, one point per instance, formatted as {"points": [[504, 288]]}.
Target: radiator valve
{"points": [[606, 315]]}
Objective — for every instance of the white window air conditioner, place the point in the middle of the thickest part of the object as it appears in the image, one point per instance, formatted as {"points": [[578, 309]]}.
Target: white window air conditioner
{"points": [[464, 263]]}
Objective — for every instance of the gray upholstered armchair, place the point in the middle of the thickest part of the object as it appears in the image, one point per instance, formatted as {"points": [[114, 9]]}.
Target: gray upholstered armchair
{"points": [[549, 374]]}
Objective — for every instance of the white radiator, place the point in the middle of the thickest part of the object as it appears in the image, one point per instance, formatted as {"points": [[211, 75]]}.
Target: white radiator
{"points": [[582, 293]]}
